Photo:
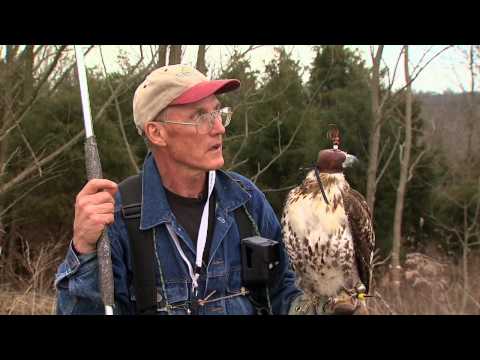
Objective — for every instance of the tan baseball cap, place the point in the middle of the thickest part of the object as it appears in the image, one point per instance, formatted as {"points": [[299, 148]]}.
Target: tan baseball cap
{"points": [[174, 85]]}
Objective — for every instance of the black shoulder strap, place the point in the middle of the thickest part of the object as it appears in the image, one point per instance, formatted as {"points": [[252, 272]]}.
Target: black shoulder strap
{"points": [[245, 227], [141, 245]]}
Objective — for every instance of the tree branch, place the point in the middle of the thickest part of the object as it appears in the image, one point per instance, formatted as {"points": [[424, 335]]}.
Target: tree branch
{"points": [[26, 172], [389, 159], [25, 140], [24, 194], [244, 142], [414, 164], [35, 93], [119, 116]]}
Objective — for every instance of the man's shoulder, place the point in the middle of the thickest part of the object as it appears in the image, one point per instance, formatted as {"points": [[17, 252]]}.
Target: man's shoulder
{"points": [[241, 180], [245, 184]]}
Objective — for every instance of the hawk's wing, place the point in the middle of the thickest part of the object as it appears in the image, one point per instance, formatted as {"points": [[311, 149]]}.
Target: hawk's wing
{"points": [[360, 220], [289, 237]]}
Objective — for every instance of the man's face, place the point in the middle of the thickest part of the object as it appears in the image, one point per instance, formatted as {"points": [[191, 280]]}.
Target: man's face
{"points": [[185, 146]]}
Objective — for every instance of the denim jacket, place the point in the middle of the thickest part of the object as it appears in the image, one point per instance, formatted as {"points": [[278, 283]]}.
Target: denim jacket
{"points": [[77, 276]]}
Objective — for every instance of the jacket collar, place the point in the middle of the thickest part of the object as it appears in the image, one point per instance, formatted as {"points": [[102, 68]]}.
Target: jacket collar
{"points": [[155, 207]]}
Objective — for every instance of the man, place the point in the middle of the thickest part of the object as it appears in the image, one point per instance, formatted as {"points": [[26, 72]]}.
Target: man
{"points": [[188, 205]]}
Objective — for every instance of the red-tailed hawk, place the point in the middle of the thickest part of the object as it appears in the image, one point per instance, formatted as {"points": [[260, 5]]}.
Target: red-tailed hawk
{"points": [[330, 244]]}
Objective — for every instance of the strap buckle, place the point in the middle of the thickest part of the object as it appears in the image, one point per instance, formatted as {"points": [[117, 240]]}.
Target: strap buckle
{"points": [[132, 211]]}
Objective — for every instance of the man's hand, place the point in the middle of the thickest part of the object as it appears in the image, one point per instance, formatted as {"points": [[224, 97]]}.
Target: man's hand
{"points": [[306, 305], [94, 208], [346, 304]]}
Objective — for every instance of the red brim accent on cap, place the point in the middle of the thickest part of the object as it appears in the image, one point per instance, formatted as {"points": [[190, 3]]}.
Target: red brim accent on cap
{"points": [[205, 89]]}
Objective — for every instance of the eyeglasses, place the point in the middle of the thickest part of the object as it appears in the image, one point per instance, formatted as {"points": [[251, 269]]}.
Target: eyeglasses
{"points": [[204, 122]]}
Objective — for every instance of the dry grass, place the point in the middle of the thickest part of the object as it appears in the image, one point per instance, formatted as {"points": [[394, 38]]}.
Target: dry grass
{"points": [[432, 285], [427, 292], [27, 302], [27, 287]]}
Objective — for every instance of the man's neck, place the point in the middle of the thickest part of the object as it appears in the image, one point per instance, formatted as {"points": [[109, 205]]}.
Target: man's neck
{"points": [[183, 182]]}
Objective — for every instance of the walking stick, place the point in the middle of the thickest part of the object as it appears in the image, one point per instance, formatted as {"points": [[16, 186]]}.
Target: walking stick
{"points": [[94, 171]]}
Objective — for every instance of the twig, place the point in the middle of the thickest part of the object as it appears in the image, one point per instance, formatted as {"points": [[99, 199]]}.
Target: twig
{"points": [[414, 164], [234, 166], [245, 138], [6, 163], [17, 199], [377, 294], [477, 304], [25, 140], [382, 262], [235, 137], [279, 189], [119, 116], [390, 157]]}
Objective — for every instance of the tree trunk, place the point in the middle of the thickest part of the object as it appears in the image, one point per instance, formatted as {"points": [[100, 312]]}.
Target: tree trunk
{"points": [[465, 249], [28, 73], [471, 118], [402, 182], [162, 55], [465, 276], [7, 76], [175, 56], [201, 64], [3, 234], [11, 255], [373, 150], [374, 139]]}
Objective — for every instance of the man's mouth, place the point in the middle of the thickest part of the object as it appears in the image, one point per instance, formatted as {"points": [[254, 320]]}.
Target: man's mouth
{"points": [[216, 147]]}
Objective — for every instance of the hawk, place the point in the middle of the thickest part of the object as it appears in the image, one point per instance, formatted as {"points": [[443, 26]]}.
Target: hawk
{"points": [[329, 237]]}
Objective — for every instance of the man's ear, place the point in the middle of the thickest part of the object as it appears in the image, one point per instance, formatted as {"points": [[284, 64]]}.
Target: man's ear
{"points": [[155, 133]]}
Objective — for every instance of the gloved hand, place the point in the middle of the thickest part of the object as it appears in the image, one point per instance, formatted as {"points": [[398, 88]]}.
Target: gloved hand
{"points": [[306, 305], [345, 304]]}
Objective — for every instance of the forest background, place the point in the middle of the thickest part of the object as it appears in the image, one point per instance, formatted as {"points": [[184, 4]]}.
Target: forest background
{"points": [[419, 155]]}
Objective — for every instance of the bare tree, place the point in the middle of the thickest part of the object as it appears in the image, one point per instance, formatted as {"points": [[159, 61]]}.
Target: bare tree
{"points": [[47, 158], [472, 117], [50, 67], [201, 64], [162, 55], [375, 132], [405, 150], [175, 55], [466, 234], [383, 98], [16, 99]]}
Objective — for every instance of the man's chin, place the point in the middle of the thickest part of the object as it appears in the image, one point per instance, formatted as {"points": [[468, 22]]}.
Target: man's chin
{"points": [[215, 165]]}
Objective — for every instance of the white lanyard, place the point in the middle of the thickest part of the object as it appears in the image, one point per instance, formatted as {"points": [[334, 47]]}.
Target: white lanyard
{"points": [[201, 239]]}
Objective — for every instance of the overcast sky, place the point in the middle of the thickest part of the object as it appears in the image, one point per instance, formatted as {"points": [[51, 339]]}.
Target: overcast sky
{"points": [[448, 71]]}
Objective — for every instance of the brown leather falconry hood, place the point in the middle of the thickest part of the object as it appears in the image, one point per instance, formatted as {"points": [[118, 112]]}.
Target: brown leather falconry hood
{"points": [[331, 160]]}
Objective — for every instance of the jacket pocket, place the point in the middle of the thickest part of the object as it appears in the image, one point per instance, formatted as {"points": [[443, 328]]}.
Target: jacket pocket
{"points": [[177, 296]]}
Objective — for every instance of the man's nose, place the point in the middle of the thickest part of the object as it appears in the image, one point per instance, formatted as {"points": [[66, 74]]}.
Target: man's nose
{"points": [[217, 126]]}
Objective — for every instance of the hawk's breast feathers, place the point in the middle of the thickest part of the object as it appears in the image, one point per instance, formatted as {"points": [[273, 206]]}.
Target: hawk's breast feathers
{"points": [[330, 245]]}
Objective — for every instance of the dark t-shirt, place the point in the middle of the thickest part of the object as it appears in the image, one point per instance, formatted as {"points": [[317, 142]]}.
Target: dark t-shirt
{"points": [[188, 212]]}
